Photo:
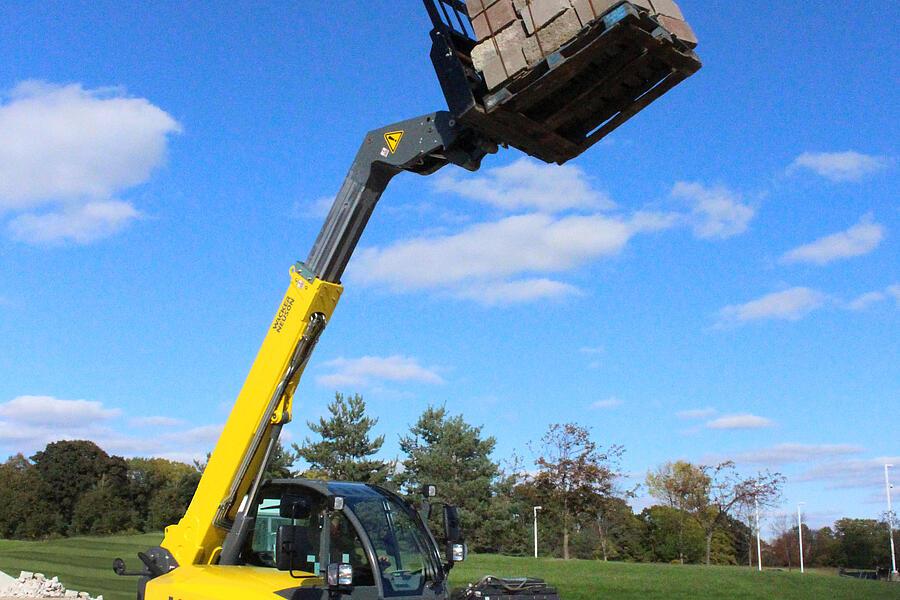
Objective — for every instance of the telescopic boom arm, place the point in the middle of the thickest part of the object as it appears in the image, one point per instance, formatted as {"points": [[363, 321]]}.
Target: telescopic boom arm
{"points": [[215, 525]]}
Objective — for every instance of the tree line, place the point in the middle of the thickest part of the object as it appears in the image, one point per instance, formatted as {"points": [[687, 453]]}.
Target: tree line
{"points": [[703, 513]]}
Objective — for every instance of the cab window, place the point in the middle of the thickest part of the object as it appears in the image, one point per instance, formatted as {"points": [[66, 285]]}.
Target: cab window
{"points": [[268, 519]]}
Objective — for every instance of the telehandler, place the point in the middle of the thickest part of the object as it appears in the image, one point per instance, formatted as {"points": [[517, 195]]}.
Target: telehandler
{"points": [[247, 538]]}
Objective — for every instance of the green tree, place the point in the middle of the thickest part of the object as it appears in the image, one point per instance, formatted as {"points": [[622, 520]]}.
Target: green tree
{"points": [[103, 511], [281, 463], [451, 454], [682, 486], [575, 475], [25, 512], [68, 469], [672, 535], [346, 448], [862, 543], [154, 490]]}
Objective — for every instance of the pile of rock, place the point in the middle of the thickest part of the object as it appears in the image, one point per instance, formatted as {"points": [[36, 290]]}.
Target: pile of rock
{"points": [[37, 585], [515, 35]]}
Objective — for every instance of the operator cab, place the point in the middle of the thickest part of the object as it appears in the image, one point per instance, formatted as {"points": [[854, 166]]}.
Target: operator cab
{"points": [[360, 540]]}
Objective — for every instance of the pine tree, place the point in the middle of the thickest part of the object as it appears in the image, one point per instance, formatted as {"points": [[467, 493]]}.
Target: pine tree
{"points": [[345, 450], [451, 454]]}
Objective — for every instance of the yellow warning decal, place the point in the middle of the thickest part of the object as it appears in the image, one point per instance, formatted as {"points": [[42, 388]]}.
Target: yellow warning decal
{"points": [[393, 139]]}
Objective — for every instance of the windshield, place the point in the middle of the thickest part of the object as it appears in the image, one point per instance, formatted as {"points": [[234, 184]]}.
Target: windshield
{"points": [[406, 557]]}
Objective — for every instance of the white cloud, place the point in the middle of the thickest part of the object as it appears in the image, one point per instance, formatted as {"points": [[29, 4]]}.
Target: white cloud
{"points": [[848, 474], [592, 350], [733, 422], [48, 411], [496, 251], [69, 151], [505, 293], [717, 212], [789, 305], [155, 422], [528, 184], [28, 423], [81, 224], [365, 370], [864, 301], [783, 454], [894, 292], [859, 240], [840, 166], [607, 404], [697, 413]]}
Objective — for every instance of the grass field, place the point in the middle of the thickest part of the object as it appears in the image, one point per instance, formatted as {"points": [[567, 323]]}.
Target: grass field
{"points": [[85, 564]]}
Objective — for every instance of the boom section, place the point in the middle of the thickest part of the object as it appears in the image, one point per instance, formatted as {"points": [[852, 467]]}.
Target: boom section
{"points": [[214, 528]]}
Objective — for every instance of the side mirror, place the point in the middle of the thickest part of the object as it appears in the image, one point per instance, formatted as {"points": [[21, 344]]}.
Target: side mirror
{"points": [[340, 575], [289, 541], [295, 507], [452, 527], [457, 553]]}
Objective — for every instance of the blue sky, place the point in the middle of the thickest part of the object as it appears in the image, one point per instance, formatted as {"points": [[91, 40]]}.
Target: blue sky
{"points": [[718, 279]]}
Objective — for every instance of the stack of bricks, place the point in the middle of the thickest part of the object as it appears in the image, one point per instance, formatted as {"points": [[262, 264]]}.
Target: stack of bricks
{"points": [[515, 35]]}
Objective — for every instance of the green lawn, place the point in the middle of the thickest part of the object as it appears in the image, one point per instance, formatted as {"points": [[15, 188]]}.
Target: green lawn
{"points": [[86, 564]]}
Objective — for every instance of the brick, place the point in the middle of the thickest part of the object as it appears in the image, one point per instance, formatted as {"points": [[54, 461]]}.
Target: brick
{"points": [[487, 59], [644, 4], [559, 31], [679, 29], [590, 10], [667, 8], [496, 18], [537, 14], [476, 7]]}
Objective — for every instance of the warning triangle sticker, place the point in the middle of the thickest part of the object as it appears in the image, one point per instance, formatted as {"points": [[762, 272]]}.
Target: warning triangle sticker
{"points": [[393, 139]]}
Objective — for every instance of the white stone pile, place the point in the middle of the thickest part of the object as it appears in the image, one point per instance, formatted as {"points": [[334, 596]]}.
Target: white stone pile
{"points": [[38, 585]]}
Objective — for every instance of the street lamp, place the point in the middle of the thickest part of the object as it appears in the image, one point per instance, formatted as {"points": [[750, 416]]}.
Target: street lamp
{"points": [[758, 541], [800, 531], [888, 486], [536, 509]]}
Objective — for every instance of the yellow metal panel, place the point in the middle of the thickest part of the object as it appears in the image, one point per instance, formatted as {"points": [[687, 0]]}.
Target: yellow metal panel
{"points": [[225, 583], [196, 538]]}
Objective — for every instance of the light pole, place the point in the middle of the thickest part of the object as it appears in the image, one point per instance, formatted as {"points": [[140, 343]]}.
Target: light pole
{"points": [[536, 509], [800, 531], [758, 541], [887, 488]]}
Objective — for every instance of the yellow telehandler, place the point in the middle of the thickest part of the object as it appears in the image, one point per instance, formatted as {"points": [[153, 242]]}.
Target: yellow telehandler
{"points": [[246, 538]]}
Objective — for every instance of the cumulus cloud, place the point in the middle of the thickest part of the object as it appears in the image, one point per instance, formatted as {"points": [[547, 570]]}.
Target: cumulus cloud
{"points": [[789, 305], [717, 212], [849, 474], [155, 422], [606, 404], [28, 423], [528, 184], [696, 413], [736, 422], [862, 238], [81, 224], [864, 301], [783, 454], [504, 293], [499, 253], [840, 166], [47, 410], [67, 151], [369, 369]]}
